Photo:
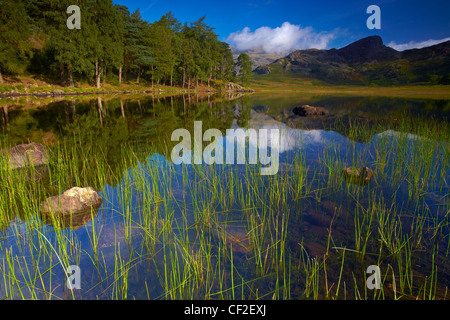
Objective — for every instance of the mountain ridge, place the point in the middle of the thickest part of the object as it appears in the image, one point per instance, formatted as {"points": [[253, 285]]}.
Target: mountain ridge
{"points": [[367, 61]]}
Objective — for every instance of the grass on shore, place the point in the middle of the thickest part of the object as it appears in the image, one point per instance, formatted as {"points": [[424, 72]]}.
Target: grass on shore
{"points": [[308, 86], [260, 84], [31, 85]]}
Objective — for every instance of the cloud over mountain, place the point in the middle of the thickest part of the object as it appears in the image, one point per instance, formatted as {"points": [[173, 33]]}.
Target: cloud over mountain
{"points": [[280, 40], [416, 44]]}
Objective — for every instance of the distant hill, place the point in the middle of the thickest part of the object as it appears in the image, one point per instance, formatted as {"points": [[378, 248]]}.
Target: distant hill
{"points": [[257, 56], [366, 61]]}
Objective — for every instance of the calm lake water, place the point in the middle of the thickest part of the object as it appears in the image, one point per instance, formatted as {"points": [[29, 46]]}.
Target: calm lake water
{"points": [[169, 231]]}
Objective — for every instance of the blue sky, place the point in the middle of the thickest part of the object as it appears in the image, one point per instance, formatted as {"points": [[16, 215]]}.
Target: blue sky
{"points": [[323, 24]]}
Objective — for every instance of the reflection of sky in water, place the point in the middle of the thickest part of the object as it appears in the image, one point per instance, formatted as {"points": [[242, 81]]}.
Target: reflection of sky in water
{"points": [[297, 140], [109, 221], [309, 143], [290, 139]]}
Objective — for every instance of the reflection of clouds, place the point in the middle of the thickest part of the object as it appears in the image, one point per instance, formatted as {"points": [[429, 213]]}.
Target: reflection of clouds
{"points": [[397, 134], [402, 137], [290, 138], [239, 143]]}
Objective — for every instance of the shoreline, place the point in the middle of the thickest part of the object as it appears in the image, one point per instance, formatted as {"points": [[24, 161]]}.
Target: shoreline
{"points": [[88, 93], [29, 88], [433, 92]]}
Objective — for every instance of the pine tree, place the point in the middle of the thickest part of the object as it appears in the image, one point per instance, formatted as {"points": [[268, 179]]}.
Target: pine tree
{"points": [[109, 44], [110, 38], [137, 52], [203, 55], [226, 64], [245, 68], [73, 50], [164, 41], [14, 36], [186, 62]]}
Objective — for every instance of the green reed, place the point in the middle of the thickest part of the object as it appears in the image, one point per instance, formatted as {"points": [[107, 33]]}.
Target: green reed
{"points": [[193, 230]]}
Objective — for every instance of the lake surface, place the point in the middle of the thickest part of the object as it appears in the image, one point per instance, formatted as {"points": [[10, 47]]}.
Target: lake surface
{"points": [[225, 231]]}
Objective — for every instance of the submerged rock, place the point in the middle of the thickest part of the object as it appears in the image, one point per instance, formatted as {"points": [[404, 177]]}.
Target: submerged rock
{"points": [[73, 201], [360, 176], [261, 108], [23, 155], [34, 174], [73, 221], [310, 111]]}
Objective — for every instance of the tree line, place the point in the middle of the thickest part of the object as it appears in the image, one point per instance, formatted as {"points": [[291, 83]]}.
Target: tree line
{"points": [[34, 38]]}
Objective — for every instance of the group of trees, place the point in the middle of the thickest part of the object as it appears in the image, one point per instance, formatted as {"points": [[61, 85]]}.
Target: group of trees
{"points": [[34, 38]]}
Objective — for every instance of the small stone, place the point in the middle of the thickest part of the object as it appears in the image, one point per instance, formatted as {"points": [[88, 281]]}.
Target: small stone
{"points": [[360, 176], [310, 111]]}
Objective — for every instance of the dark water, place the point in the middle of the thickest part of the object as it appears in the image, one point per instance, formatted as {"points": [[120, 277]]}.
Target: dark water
{"points": [[296, 232]]}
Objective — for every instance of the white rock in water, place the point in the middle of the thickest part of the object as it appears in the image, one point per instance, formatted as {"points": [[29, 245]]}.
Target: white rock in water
{"points": [[74, 200]]}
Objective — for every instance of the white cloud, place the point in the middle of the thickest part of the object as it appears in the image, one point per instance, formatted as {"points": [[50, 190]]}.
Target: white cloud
{"points": [[280, 40], [415, 44]]}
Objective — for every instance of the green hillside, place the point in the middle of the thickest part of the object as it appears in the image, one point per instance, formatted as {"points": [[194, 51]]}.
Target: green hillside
{"points": [[364, 62]]}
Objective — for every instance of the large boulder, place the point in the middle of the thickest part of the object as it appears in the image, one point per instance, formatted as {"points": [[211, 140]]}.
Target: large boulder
{"points": [[310, 111], [24, 155], [73, 201], [361, 176], [233, 87]]}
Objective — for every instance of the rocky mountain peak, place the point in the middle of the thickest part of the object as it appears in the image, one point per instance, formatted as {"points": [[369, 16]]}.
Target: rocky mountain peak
{"points": [[368, 49]]}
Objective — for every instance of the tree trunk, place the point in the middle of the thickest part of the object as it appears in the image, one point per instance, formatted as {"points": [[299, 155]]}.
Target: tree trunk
{"points": [[100, 109], [97, 82], [122, 109], [138, 75], [5, 114], [73, 106], [70, 77], [62, 74], [98, 72], [104, 75], [184, 78], [1, 77], [153, 71], [120, 75]]}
